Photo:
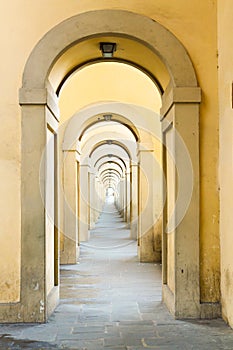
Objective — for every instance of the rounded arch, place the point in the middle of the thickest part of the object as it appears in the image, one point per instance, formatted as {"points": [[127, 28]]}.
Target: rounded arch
{"points": [[111, 142], [110, 171], [111, 136], [111, 117], [97, 23], [136, 117], [144, 70], [111, 162], [110, 167], [110, 156], [36, 91], [112, 177]]}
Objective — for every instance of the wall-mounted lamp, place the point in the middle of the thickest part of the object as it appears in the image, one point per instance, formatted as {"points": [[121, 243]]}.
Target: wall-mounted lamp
{"points": [[107, 49]]}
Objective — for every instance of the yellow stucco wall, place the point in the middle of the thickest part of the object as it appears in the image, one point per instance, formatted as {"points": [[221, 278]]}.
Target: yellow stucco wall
{"points": [[225, 20], [107, 82], [24, 23]]}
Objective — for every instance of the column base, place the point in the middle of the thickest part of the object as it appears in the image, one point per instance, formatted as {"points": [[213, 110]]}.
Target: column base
{"points": [[210, 310], [134, 231], [147, 251], [84, 233], [70, 253]]}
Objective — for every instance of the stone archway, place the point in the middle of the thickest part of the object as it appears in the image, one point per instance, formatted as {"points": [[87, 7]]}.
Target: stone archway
{"points": [[40, 116], [146, 214]]}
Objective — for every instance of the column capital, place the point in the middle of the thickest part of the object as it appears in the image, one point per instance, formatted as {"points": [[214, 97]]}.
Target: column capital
{"points": [[145, 147], [133, 164], [85, 165], [75, 146], [76, 154], [46, 97], [174, 95]]}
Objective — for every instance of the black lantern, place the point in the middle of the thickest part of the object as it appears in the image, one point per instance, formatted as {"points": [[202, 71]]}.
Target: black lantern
{"points": [[107, 49]]}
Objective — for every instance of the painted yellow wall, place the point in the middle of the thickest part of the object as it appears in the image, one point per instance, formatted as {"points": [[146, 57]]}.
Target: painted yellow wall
{"points": [[108, 82], [225, 20], [23, 24]]}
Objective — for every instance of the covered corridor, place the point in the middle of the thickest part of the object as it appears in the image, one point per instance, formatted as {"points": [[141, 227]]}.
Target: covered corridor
{"points": [[93, 123], [116, 174], [109, 300]]}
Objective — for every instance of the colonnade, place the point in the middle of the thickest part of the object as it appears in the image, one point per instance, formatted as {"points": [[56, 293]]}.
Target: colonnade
{"points": [[130, 169], [190, 245]]}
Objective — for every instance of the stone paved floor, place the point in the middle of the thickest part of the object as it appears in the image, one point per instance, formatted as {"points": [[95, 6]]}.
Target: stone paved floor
{"points": [[111, 301]]}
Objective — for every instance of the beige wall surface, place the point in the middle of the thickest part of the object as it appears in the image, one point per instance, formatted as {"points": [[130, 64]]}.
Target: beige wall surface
{"points": [[225, 20], [23, 23], [9, 230], [108, 82]]}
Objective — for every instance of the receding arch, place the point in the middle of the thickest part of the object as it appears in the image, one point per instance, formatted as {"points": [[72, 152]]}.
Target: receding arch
{"points": [[110, 170], [113, 118], [110, 160], [96, 23], [180, 104], [109, 174], [111, 142], [75, 69], [134, 116], [109, 177], [111, 134]]}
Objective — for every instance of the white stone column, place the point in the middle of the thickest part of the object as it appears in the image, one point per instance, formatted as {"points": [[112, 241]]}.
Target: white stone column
{"points": [[117, 196], [69, 248], [84, 203], [134, 201], [122, 196], [39, 282], [127, 197], [102, 196], [93, 200], [146, 207], [97, 198], [180, 123]]}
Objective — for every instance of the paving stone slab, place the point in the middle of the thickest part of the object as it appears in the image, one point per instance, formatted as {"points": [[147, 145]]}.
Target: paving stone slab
{"points": [[111, 301]]}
